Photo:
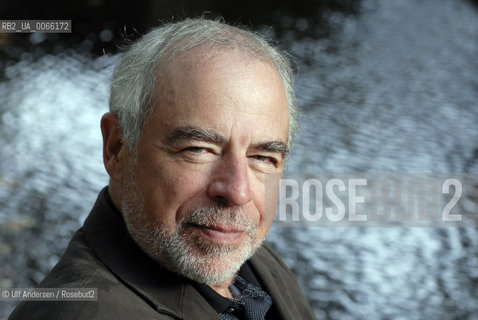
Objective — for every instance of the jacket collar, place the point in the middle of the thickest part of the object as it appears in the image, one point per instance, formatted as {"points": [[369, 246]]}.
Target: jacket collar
{"points": [[270, 269]]}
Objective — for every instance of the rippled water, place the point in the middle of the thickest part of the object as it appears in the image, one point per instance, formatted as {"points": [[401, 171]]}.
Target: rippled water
{"points": [[393, 89]]}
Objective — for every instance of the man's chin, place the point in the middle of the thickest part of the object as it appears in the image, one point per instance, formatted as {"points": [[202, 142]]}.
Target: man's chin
{"points": [[211, 263], [205, 255]]}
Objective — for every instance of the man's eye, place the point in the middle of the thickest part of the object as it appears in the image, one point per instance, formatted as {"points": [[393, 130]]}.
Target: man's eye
{"points": [[195, 149], [265, 159], [197, 154]]}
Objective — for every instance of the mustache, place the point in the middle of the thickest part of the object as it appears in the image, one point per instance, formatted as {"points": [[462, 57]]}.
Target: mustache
{"points": [[214, 216]]}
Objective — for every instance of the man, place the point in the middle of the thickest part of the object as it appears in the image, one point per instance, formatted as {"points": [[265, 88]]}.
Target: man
{"points": [[202, 117]]}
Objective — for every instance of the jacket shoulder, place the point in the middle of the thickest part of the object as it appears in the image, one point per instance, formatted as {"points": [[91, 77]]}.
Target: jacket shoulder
{"points": [[79, 267]]}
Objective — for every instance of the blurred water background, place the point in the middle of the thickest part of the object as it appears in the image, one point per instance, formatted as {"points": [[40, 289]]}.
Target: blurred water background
{"points": [[385, 86]]}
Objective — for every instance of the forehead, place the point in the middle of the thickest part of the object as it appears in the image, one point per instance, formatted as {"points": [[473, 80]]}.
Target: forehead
{"points": [[223, 91]]}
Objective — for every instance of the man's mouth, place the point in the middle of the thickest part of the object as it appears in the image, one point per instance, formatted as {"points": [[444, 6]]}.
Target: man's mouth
{"points": [[225, 235]]}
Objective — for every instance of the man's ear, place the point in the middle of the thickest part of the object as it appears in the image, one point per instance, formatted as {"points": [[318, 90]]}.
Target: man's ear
{"points": [[113, 147]]}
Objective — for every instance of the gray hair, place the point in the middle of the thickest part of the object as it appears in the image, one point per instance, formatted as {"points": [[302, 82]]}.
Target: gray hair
{"points": [[132, 92]]}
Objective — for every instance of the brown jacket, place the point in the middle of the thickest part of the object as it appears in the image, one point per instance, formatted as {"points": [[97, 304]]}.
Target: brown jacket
{"points": [[131, 286]]}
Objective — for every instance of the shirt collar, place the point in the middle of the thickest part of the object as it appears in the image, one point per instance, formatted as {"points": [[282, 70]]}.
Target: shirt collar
{"points": [[217, 301]]}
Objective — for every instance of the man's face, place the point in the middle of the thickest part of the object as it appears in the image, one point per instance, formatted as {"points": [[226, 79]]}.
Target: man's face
{"points": [[195, 198]]}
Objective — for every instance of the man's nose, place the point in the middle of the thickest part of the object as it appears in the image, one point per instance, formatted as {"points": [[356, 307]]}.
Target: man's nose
{"points": [[230, 183]]}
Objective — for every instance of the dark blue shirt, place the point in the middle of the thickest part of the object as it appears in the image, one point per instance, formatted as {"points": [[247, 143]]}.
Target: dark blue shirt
{"points": [[250, 302]]}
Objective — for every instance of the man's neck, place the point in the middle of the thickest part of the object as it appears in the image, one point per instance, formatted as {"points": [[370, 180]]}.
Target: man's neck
{"points": [[223, 288]]}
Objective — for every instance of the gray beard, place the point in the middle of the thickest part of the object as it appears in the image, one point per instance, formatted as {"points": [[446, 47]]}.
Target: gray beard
{"points": [[192, 257]]}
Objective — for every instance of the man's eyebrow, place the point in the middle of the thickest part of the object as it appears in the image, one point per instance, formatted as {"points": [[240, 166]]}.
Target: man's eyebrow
{"points": [[272, 146], [194, 133]]}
